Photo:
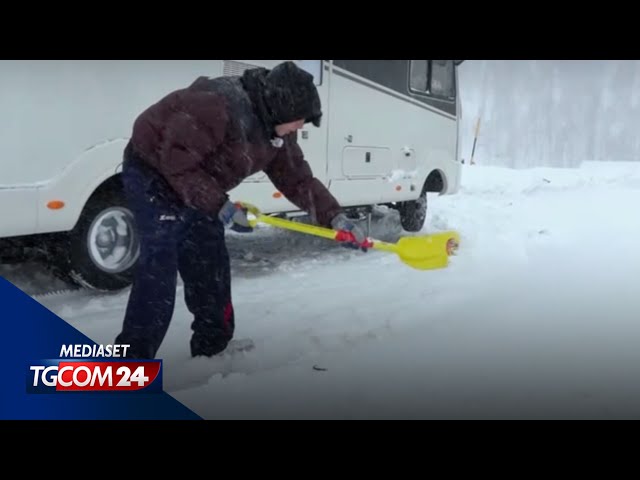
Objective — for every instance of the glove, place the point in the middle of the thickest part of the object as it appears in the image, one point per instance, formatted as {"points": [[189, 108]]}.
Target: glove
{"points": [[235, 216], [341, 222]]}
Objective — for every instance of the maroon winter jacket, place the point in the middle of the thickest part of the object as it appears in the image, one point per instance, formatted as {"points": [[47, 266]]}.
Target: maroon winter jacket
{"points": [[207, 138]]}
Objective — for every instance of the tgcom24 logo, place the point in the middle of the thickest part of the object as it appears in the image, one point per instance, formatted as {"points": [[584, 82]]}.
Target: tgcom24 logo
{"points": [[94, 368]]}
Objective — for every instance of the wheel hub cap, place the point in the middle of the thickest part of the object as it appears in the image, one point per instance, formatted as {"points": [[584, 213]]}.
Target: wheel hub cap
{"points": [[112, 243]]}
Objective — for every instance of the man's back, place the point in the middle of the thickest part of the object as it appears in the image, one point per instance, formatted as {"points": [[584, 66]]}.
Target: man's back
{"points": [[208, 138]]}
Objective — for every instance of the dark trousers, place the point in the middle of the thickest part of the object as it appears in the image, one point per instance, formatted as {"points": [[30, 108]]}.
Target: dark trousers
{"points": [[175, 238]]}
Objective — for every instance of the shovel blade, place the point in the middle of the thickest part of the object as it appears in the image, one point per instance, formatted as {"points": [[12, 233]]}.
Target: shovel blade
{"points": [[428, 252]]}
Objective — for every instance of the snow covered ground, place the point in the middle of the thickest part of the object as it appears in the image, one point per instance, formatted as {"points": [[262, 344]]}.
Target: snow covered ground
{"points": [[538, 316]]}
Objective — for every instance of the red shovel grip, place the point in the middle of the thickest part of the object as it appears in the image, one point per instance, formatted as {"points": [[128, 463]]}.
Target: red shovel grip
{"points": [[345, 236]]}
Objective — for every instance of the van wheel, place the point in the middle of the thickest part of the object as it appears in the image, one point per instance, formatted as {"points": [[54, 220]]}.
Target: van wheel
{"points": [[103, 247], [413, 214]]}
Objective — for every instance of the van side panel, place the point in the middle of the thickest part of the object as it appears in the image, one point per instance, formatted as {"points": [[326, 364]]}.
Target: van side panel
{"points": [[58, 109], [366, 117], [75, 185], [17, 211]]}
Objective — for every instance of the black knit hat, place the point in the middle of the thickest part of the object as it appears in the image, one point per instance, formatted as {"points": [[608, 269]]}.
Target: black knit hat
{"points": [[291, 95]]}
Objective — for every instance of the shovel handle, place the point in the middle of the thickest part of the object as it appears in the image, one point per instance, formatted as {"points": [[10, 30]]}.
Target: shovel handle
{"points": [[422, 253], [287, 224], [339, 235]]}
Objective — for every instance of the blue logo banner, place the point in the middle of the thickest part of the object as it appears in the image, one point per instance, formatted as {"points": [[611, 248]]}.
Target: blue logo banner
{"points": [[33, 335]]}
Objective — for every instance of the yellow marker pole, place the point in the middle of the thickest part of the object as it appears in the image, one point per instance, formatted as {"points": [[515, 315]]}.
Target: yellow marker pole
{"points": [[475, 139]]}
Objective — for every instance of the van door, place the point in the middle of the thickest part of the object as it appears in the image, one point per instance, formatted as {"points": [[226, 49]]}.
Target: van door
{"points": [[312, 139]]}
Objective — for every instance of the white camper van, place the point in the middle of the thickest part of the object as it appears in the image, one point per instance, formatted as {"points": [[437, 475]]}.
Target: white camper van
{"points": [[389, 135]]}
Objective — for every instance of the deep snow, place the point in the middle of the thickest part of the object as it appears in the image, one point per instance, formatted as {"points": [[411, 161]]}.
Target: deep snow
{"points": [[538, 316]]}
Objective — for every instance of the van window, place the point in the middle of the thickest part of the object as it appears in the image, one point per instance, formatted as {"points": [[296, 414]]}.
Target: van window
{"points": [[442, 79], [419, 76], [314, 67], [432, 77]]}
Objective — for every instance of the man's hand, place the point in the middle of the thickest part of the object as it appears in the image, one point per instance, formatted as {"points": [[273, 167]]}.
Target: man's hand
{"points": [[341, 222], [235, 216]]}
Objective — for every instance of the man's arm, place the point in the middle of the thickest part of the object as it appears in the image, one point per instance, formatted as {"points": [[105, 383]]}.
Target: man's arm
{"points": [[192, 133], [292, 175]]}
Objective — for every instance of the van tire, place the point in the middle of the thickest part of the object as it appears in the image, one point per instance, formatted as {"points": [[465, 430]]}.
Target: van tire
{"points": [[105, 225], [413, 214]]}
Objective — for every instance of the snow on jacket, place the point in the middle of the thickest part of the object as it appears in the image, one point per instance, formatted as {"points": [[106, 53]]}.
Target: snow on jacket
{"points": [[207, 138]]}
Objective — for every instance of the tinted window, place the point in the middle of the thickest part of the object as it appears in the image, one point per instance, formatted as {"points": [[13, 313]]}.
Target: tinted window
{"points": [[442, 79], [419, 79], [432, 77]]}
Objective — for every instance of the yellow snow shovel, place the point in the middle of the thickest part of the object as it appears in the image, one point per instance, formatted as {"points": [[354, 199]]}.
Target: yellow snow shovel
{"points": [[425, 252]]}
